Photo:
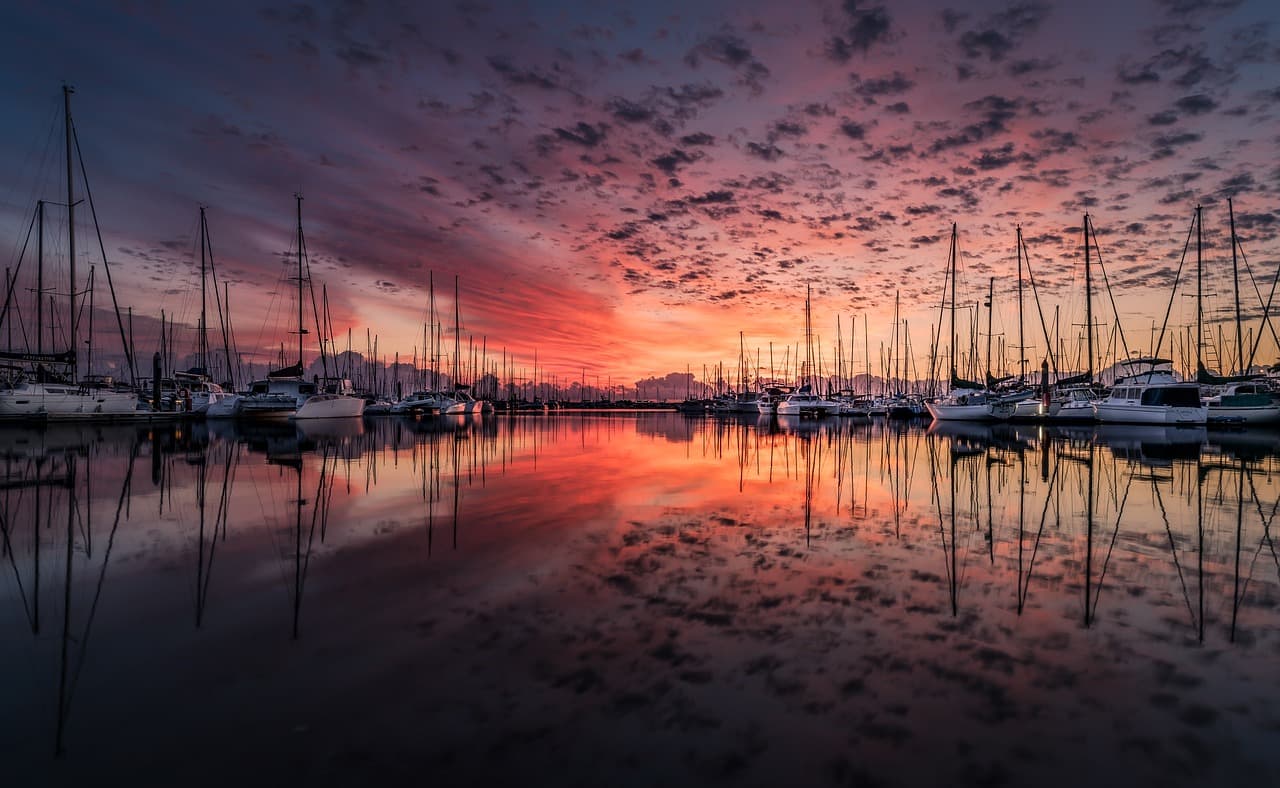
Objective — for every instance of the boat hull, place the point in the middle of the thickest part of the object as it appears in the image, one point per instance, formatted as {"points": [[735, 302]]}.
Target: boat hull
{"points": [[66, 403], [1149, 414], [984, 411], [330, 406], [1247, 415]]}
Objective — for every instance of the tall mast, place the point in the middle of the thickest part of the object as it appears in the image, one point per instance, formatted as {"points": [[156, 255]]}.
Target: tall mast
{"points": [[457, 336], [301, 330], [431, 301], [1088, 301], [39, 277], [1235, 279], [991, 308], [1199, 292], [204, 338], [952, 352], [1022, 342], [67, 90]]}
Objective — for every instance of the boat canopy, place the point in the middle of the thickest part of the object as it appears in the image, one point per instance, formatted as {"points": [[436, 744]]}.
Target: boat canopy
{"points": [[294, 371], [1207, 378]]}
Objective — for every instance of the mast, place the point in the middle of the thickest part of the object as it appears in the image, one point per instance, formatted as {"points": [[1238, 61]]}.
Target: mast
{"points": [[67, 90], [204, 338], [39, 277], [1199, 292], [457, 336], [1235, 280], [991, 308], [951, 353], [301, 331], [1088, 301], [1022, 338]]}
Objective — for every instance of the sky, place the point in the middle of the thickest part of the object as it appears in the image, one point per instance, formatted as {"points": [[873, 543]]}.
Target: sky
{"points": [[623, 188]]}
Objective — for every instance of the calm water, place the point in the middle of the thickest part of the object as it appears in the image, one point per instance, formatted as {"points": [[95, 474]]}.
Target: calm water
{"points": [[639, 599]]}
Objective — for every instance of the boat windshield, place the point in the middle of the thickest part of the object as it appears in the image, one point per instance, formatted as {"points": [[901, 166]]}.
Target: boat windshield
{"points": [[1181, 397]]}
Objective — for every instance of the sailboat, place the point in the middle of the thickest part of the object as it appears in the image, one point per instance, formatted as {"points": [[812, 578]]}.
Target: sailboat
{"points": [[49, 387], [966, 400], [805, 401], [1070, 399], [1149, 392], [285, 393], [197, 385], [1240, 399]]}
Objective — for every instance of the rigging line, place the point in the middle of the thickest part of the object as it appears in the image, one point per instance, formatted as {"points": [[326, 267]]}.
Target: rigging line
{"points": [[102, 576], [1266, 522], [124, 339], [1173, 292], [1035, 293], [1173, 549], [1266, 310], [12, 283], [1111, 296], [1035, 549]]}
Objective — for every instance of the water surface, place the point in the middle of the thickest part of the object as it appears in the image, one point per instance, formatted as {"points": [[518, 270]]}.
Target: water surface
{"points": [[639, 599]]}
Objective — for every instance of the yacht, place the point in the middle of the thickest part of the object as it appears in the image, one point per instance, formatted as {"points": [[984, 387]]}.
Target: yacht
{"points": [[421, 403], [805, 402], [1151, 394], [1244, 403], [278, 397], [335, 399], [767, 402]]}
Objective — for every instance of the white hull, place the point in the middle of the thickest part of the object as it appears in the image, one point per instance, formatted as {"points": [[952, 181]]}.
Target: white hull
{"points": [[66, 402], [225, 408], [1248, 415], [823, 408], [984, 411], [1149, 414], [330, 406]]}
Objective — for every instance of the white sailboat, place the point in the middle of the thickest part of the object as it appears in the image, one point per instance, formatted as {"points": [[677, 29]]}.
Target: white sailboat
{"points": [[805, 400], [37, 391], [286, 393], [967, 401]]}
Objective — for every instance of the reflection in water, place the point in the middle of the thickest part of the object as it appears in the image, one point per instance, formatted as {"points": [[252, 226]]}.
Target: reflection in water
{"points": [[601, 568]]}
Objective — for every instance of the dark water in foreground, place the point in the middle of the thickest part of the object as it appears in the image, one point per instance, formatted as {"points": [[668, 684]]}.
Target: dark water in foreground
{"points": [[638, 599]]}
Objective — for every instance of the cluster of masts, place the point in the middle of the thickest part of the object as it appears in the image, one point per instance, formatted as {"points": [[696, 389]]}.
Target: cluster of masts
{"points": [[958, 380], [961, 383]]}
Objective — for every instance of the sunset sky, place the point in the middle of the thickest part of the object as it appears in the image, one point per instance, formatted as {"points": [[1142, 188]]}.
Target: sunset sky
{"points": [[625, 187]]}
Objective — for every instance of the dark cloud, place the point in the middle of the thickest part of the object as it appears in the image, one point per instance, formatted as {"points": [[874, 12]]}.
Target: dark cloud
{"points": [[1166, 118], [1001, 157], [898, 108], [853, 130], [584, 134], [520, 77], [1035, 65], [697, 138], [671, 162], [860, 27], [1188, 65], [768, 151], [629, 111], [1183, 9], [718, 196], [951, 19], [733, 52], [787, 128], [895, 84], [1166, 145], [1003, 31], [1196, 105], [995, 112]]}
